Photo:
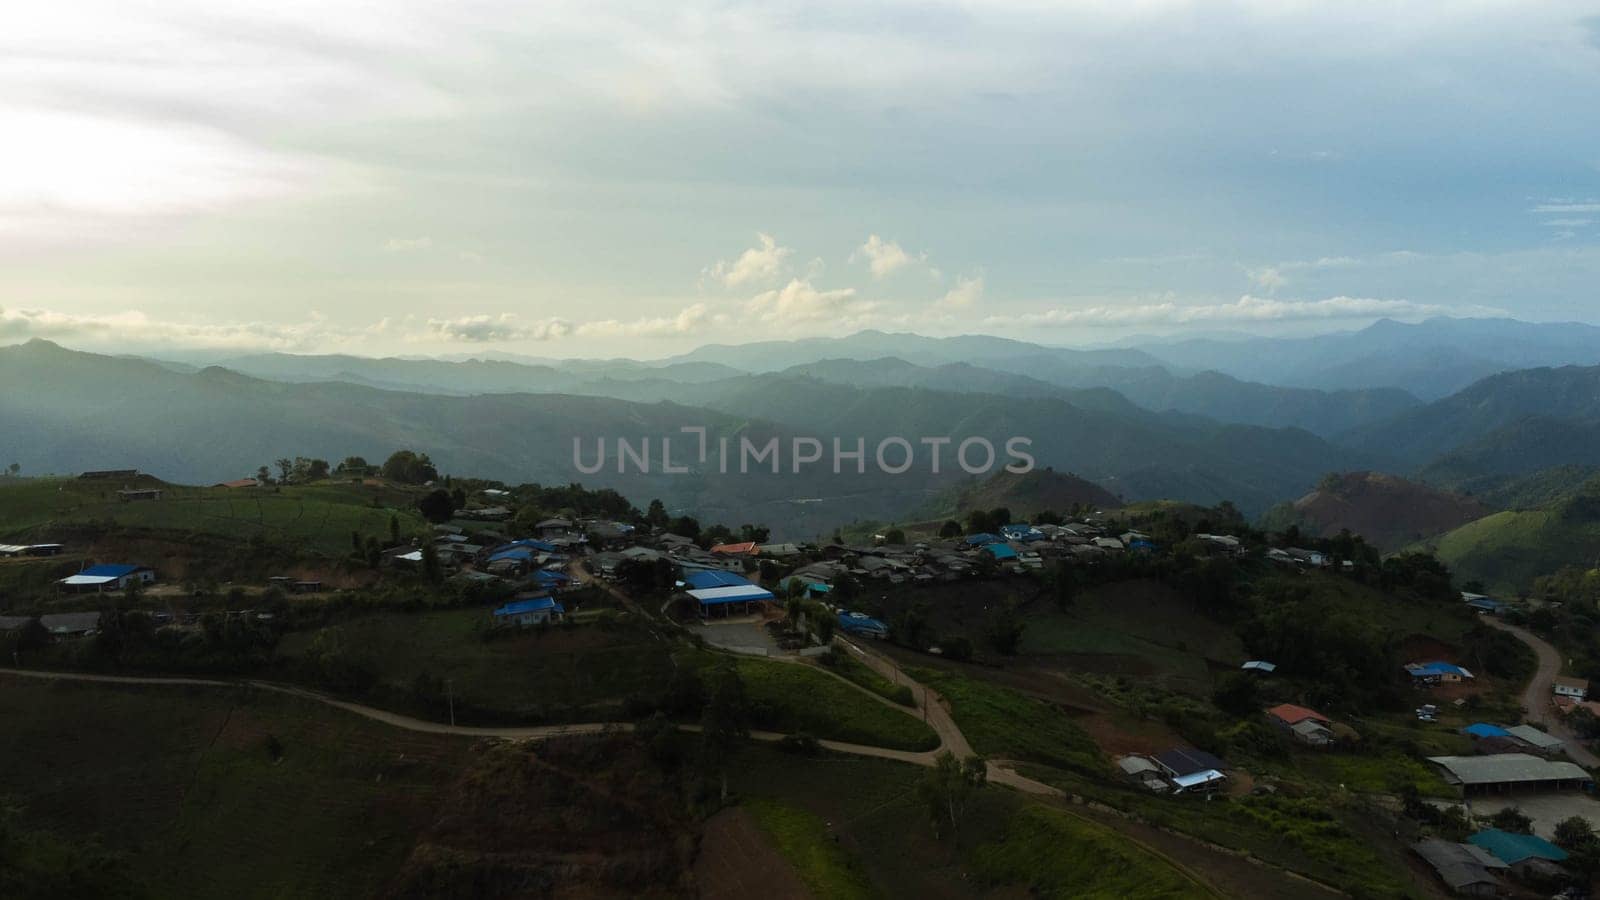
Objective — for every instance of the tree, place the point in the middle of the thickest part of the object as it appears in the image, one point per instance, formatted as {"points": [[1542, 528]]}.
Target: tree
{"points": [[656, 516], [685, 526], [264, 475], [285, 468], [756, 533], [1236, 694], [437, 506], [950, 529], [1005, 629], [409, 467], [353, 465], [14, 469], [894, 536], [722, 724], [394, 529], [947, 789], [1573, 833], [1513, 820], [431, 569]]}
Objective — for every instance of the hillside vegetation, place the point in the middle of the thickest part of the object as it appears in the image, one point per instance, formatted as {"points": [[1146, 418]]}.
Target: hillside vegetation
{"points": [[1388, 511], [1508, 550]]}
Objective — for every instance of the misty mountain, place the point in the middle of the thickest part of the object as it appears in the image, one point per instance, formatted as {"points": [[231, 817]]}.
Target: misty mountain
{"points": [[1504, 415], [470, 376], [1430, 359], [82, 410], [980, 350]]}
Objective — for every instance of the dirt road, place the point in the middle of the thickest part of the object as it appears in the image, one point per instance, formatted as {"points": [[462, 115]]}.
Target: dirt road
{"points": [[1537, 699]]}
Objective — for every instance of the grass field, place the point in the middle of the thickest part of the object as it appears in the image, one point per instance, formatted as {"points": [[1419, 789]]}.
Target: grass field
{"points": [[843, 662], [183, 782], [802, 837], [316, 517], [1507, 550], [793, 698], [561, 674], [1006, 724], [1058, 856]]}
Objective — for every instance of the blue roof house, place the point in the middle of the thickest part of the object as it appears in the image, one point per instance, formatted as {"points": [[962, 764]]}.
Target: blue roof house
{"points": [[1482, 730], [532, 611], [1512, 848], [1001, 552], [111, 577]]}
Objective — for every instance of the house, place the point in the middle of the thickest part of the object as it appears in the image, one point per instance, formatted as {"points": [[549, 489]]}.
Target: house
{"points": [[1575, 688], [1108, 543], [1022, 531], [1191, 771], [1436, 672], [1259, 666], [30, 549], [1482, 730], [1507, 772], [1000, 552], [983, 537], [1465, 869], [1307, 557], [530, 611], [108, 578], [1521, 852], [1542, 742], [139, 494], [553, 527], [1226, 543], [70, 624], [106, 474], [862, 624], [742, 548], [779, 551], [1143, 772], [238, 483], [1305, 725], [727, 592], [1483, 603]]}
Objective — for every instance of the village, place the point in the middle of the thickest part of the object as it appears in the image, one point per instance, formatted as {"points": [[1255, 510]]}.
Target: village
{"points": [[1512, 787]]}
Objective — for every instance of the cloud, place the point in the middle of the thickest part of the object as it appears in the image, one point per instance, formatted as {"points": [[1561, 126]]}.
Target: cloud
{"points": [[755, 266], [497, 329], [884, 257], [1246, 309], [798, 301], [1566, 223], [1565, 207], [1268, 278], [407, 244], [687, 321], [967, 291], [134, 328]]}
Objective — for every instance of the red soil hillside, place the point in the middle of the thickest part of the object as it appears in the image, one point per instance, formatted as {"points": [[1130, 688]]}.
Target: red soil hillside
{"points": [[1390, 512]]}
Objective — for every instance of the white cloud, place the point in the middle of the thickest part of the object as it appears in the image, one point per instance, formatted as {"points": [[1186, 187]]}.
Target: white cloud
{"points": [[1566, 223], [1268, 278], [1245, 310], [687, 321], [133, 328], [756, 266], [884, 257], [496, 329], [967, 291], [798, 301], [1548, 208], [407, 244]]}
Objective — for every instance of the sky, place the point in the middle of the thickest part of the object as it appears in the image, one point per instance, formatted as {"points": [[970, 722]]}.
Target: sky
{"points": [[600, 179]]}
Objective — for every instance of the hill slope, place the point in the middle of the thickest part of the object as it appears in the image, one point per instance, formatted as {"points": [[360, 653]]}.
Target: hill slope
{"points": [[1507, 550], [1389, 512]]}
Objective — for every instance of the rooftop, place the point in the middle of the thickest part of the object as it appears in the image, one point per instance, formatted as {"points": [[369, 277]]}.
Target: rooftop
{"points": [[1506, 768]]}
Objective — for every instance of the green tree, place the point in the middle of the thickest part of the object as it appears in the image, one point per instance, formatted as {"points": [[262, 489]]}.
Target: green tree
{"points": [[1513, 820], [409, 467], [431, 568], [950, 529], [1005, 627], [894, 536], [437, 506], [722, 724], [947, 790], [14, 469], [285, 468], [394, 529], [656, 516]]}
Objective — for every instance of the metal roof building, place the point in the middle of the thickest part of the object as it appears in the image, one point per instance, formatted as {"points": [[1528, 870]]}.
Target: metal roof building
{"points": [[1532, 736], [1505, 771], [1464, 868]]}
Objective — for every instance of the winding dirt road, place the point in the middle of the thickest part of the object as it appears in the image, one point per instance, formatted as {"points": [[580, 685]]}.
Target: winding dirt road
{"points": [[1538, 701]]}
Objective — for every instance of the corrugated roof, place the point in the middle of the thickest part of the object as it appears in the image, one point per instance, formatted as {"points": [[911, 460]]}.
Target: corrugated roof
{"points": [[1512, 848], [1484, 730], [1541, 739], [1184, 761], [532, 604], [731, 594], [1456, 864], [1291, 714], [711, 578], [1507, 768]]}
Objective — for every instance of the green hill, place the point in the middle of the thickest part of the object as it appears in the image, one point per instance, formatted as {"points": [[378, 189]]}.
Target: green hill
{"points": [[1507, 550]]}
